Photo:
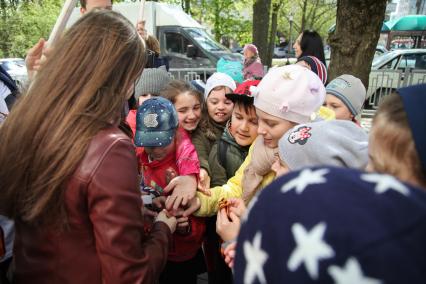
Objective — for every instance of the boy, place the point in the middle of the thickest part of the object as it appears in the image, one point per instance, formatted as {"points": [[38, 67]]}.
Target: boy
{"points": [[156, 131]]}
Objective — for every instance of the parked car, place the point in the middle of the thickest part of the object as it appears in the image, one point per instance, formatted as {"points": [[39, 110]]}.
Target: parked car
{"points": [[395, 69], [16, 68]]}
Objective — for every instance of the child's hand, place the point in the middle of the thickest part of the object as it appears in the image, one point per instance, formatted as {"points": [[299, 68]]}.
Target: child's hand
{"points": [[279, 168], [183, 189], [227, 227], [229, 254], [237, 206], [182, 225], [159, 202], [204, 182]]}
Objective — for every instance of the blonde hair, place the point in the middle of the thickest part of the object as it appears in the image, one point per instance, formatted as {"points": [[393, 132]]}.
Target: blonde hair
{"points": [[153, 44], [80, 90], [395, 151]]}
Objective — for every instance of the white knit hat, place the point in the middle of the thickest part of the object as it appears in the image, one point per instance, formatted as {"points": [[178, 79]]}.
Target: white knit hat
{"points": [[219, 79], [290, 92]]}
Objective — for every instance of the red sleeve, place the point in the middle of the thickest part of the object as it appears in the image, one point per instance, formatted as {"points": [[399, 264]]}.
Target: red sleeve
{"points": [[186, 155], [126, 254]]}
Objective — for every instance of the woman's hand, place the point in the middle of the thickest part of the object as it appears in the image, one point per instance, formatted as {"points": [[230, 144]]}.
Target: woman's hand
{"points": [[183, 189], [36, 57]]}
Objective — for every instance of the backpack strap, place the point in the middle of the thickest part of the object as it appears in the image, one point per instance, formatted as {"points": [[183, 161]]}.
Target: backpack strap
{"points": [[222, 149]]}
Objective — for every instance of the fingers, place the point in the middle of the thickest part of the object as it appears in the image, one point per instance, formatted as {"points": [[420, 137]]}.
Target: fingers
{"points": [[177, 202], [170, 186], [37, 49], [170, 202], [234, 218], [193, 206]]}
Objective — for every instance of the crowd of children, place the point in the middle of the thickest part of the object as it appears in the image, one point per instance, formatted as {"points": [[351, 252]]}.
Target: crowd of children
{"points": [[266, 181]]}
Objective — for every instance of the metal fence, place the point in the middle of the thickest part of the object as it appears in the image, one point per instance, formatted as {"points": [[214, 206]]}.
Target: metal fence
{"points": [[189, 74]]}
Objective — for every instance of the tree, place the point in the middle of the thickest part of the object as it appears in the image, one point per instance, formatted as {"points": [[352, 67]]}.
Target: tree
{"points": [[273, 32], [355, 38], [261, 16]]}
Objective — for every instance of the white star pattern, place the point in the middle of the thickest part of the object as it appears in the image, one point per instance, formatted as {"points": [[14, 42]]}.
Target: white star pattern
{"points": [[350, 274], [305, 178], [255, 259], [385, 183], [310, 249]]}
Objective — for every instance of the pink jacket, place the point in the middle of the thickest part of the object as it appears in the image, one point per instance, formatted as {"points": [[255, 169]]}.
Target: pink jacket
{"points": [[253, 70], [186, 157]]}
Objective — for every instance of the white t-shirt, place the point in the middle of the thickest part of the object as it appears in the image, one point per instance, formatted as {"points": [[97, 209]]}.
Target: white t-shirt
{"points": [[4, 92]]}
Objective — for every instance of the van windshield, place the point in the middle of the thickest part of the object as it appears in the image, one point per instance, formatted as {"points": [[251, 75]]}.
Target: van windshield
{"points": [[204, 39]]}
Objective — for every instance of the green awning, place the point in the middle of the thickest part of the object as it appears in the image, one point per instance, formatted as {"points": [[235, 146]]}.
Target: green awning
{"points": [[407, 23]]}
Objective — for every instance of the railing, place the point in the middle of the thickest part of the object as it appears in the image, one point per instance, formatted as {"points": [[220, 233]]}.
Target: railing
{"points": [[384, 82], [189, 74]]}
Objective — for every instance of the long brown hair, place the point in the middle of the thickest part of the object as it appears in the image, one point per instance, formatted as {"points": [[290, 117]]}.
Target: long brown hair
{"points": [[80, 90], [395, 151]]}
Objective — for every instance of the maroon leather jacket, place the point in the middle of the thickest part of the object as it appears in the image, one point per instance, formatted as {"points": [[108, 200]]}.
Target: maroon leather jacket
{"points": [[105, 241]]}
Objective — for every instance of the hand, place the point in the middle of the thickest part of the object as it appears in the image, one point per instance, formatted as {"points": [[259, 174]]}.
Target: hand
{"points": [[229, 254], [183, 189], [183, 225], [237, 206], [36, 57], [204, 182], [140, 27], [170, 221], [227, 227], [194, 205], [159, 202], [279, 168]]}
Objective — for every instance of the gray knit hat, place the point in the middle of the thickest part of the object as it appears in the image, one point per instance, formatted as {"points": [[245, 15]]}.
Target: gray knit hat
{"points": [[152, 81], [349, 90], [339, 143]]}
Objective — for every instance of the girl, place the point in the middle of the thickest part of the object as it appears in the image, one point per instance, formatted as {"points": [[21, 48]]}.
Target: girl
{"points": [[219, 110], [73, 194]]}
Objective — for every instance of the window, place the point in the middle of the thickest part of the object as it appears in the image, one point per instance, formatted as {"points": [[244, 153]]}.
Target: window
{"points": [[176, 43], [416, 61]]}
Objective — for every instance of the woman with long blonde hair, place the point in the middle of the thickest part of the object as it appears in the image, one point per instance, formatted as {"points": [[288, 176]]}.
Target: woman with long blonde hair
{"points": [[69, 175]]}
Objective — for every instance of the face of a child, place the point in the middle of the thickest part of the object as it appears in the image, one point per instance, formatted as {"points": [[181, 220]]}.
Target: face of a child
{"points": [[244, 125], [219, 107], [339, 108], [272, 128], [144, 97], [188, 108], [159, 153]]}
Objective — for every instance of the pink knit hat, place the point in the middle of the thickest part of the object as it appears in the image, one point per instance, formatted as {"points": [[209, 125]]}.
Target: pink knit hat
{"points": [[251, 47], [290, 92]]}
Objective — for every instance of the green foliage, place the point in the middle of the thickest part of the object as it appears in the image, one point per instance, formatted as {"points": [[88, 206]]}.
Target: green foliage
{"points": [[23, 25]]}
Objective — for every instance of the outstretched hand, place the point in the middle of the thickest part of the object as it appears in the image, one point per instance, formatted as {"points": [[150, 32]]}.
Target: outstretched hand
{"points": [[36, 57], [183, 189]]}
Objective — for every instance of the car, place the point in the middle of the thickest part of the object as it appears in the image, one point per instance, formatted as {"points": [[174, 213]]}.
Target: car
{"points": [[395, 69], [16, 68]]}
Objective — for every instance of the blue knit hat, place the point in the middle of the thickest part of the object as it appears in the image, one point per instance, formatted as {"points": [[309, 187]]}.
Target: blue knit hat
{"points": [[333, 225], [414, 100]]}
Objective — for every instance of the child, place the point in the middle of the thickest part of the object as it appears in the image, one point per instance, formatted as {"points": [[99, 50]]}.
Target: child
{"points": [[398, 136], [219, 110], [345, 96], [253, 67], [157, 124], [188, 103], [286, 96], [230, 151]]}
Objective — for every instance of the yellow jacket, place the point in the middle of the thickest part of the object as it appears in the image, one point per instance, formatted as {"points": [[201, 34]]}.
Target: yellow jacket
{"points": [[232, 189]]}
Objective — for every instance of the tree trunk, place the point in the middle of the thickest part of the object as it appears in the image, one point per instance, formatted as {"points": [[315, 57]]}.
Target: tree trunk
{"points": [[304, 8], [261, 16], [217, 20], [273, 33], [355, 38]]}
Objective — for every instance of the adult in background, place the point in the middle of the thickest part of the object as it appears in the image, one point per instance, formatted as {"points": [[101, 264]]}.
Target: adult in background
{"points": [[74, 192], [309, 43], [253, 67], [89, 5]]}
